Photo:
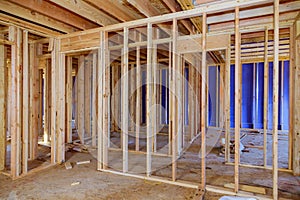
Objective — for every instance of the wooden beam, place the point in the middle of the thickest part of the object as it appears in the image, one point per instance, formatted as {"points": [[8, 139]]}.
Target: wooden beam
{"points": [[174, 7], [54, 82], [115, 9], [80, 100], [106, 101], [61, 110], [255, 12], [266, 98], [94, 100], [125, 103], [35, 17], [15, 36], [237, 94], [292, 95], [149, 99], [222, 6], [173, 92], [87, 11], [154, 97], [203, 103], [87, 96], [275, 98], [100, 68], [25, 103], [47, 102], [50, 10], [296, 134], [227, 104], [138, 98], [69, 103], [3, 90]]}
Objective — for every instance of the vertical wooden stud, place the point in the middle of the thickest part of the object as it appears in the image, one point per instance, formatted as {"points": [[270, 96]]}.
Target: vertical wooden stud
{"points": [[125, 110], [3, 80], [266, 98], [203, 104], [237, 94], [275, 99]]}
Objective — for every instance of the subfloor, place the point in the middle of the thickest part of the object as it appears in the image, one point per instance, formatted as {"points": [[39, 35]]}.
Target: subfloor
{"points": [[55, 183]]}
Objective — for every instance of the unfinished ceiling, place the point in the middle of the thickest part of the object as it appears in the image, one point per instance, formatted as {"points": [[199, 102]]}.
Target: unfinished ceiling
{"points": [[50, 18]]}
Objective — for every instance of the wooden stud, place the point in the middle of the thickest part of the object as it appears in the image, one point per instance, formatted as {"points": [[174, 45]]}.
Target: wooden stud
{"points": [[203, 104], [138, 98], [125, 110], [291, 96], [15, 36], [149, 101], [100, 102], [275, 99], [94, 100], [69, 83], [170, 73], [173, 90], [3, 80], [35, 100], [87, 97], [296, 133], [227, 105], [80, 100], [47, 103], [154, 97], [54, 58], [266, 98], [237, 94], [25, 106], [61, 114], [106, 100]]}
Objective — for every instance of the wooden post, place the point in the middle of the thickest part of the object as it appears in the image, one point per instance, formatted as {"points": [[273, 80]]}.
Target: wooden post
{"points": [[54, 56], [296, 118], [237, 94], [69, 103], [106, 100], [154, 97], [15, 36], [125, 100], [100, 102], [138, 98], [179, 123], [47, 103], [26, 102], [203, 104], [266, 98], [94, 101], [87, 97], [191, 93], [227, 105], [292, 95], [34, 101], [3, 90], [170, 71], [275, 99], [80, 100], [174, 119], [149, 98]]}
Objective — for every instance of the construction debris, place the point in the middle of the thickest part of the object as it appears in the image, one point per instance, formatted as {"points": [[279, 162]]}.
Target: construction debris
{"points": [[75, 183], [83, 162], [68, 165]]}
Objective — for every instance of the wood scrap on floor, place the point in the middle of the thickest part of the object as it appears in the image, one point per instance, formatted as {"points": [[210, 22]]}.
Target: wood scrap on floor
{"points": [[247, 188], [68, 165], [83, 162]]}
